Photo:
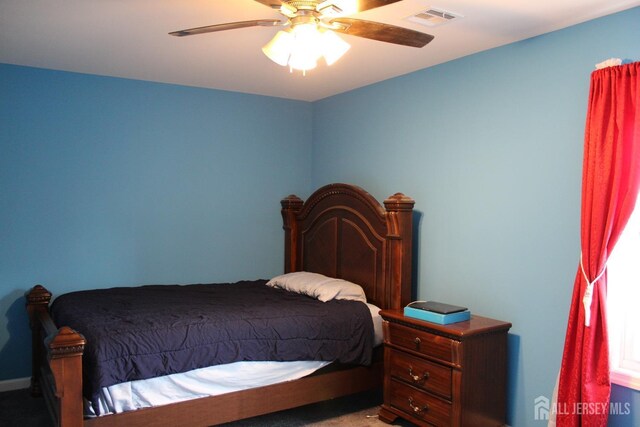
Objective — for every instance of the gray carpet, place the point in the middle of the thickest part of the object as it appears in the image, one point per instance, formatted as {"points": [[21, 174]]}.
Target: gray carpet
{"points": [[19, 409]]}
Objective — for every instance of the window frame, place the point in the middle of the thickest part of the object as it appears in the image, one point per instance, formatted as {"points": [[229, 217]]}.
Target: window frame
{"points": [[623, 290]]}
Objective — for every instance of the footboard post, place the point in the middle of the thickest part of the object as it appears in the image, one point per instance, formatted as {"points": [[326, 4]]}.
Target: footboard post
{"points": [[56, 362], [37, 303], [65, 360]]}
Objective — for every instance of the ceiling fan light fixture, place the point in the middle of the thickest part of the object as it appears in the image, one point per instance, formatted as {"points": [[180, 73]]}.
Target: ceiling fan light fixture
{"points": [[303, 44], [333, 47], [279, 48], [303, 61], [306, 50], [298, 48]]}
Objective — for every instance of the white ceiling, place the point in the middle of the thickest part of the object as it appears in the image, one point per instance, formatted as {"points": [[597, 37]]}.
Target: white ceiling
{"points": [[128, 38]]}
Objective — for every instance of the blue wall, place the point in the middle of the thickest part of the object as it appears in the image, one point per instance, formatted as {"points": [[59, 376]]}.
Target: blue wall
{"points": [[114, 182], [108, 182], [490, 147]]}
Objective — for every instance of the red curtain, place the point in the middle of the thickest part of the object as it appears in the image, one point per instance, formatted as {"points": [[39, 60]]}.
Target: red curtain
{"points": [[610, 183]]}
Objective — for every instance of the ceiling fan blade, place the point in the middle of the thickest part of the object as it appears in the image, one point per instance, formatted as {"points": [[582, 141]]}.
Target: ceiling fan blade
{"points": [[227, 26], [381, 32], [372, 4]]}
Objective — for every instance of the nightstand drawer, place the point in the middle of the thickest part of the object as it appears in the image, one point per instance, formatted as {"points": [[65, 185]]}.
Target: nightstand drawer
{"points": [[419, 404], [421, 341], [421, 373]]}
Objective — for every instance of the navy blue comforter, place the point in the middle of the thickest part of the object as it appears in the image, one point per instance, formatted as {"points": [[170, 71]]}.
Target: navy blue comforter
{"points": [[149, 331]]}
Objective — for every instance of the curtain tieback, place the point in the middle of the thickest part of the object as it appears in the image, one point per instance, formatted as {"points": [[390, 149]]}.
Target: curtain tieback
{"points": [[588, 293]]}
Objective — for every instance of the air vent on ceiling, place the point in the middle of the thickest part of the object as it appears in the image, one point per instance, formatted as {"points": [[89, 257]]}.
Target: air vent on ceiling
{"points": [[434, 16]]}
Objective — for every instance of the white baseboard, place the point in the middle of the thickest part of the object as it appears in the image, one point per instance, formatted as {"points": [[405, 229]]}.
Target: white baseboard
{"points": [[15, 384]]}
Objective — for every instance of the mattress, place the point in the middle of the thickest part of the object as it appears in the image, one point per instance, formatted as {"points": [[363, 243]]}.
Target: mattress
{"points": [[210, 381]]}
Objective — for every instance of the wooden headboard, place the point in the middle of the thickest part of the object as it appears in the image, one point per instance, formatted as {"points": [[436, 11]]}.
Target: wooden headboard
{"points": [[342, 231]]}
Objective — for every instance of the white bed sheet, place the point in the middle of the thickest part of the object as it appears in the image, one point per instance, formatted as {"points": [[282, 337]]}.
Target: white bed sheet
{"points": [[210, 381]]}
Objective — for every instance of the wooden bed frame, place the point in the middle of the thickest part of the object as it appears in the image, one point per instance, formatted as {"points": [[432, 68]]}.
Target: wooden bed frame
{"points": [[340, 231]]}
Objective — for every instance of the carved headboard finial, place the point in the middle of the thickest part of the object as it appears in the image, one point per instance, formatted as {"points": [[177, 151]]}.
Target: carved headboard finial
{"points": [[399, 202], [292, 202]]}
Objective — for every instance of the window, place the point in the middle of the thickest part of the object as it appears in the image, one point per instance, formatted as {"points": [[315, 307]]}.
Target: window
{"points": [[623, 316]]}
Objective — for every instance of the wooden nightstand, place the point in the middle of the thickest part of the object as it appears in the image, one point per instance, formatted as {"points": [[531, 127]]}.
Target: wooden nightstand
{"points": [[444, 375]]}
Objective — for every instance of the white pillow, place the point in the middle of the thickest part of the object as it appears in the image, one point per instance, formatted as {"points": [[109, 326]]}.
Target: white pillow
{"points": [[318, 286]]}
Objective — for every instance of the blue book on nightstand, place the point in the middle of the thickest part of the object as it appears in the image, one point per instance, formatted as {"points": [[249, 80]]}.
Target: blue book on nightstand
{"points": [[440, 313]]}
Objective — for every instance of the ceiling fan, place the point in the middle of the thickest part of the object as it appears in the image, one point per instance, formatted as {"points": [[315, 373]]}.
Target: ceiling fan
{"points": [[313, 25]]}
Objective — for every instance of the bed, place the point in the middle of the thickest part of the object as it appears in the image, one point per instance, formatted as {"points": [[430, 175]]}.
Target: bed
{"points": [[340, 231]]}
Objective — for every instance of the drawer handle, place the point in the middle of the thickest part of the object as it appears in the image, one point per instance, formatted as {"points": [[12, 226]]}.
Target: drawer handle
{"points": [[417, 342], [417, 409], [418, 378]]}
